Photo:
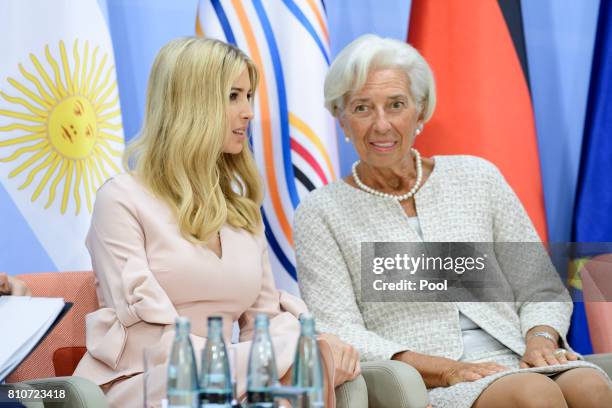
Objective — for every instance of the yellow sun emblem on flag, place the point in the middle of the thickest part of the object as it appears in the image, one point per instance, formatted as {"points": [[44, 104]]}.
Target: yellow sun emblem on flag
{"points": [[67, 126]]}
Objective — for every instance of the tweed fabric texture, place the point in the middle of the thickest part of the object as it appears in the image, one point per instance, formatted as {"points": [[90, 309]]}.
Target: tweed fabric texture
{"points": [[465, 199]]}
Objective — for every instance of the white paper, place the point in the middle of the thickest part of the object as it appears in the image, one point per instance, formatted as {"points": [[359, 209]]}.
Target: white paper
{"points": [[24, 320]]}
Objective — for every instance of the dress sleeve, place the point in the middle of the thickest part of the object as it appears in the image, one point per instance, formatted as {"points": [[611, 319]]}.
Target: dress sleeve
{"points": [[326, 286], [130, 292], [540, 296]]}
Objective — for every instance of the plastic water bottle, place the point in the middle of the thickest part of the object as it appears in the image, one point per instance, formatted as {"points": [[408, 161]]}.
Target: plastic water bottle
{"points": [[307, 365], [215, 378], [182, 371], [262, 376]]}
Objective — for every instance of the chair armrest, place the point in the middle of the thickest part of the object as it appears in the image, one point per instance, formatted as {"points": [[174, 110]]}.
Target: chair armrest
{"points": [[80, 393], [394, 384], [352, 394], [602, 360]]}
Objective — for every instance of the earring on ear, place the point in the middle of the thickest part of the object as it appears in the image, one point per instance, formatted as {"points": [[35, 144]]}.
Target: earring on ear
{"points": [[418, 130], [346, 139]]}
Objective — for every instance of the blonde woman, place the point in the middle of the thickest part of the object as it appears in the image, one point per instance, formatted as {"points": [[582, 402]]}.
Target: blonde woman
{"points": [[181, 234]]}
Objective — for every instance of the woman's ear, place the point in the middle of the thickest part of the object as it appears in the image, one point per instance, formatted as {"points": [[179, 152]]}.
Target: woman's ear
{"points": [[341, 120], [343, 125]]}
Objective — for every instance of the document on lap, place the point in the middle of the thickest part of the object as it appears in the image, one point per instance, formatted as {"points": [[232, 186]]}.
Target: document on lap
{"points": [[24, 322]]}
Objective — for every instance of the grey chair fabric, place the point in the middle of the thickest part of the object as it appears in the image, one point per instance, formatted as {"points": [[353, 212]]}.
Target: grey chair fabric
{"points": [[352, 394], [384, 384], [394, 384], [603, 360], [80, 393]]}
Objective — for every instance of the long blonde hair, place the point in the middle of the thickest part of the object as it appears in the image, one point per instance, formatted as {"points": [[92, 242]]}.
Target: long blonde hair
{"points": [[178, 154]]}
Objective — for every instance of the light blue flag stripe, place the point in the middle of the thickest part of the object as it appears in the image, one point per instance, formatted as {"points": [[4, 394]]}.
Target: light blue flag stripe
{"points": [[20, 250]]}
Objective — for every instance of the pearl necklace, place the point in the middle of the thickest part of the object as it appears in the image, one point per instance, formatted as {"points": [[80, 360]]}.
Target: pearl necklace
{"points": [[403, 197]]}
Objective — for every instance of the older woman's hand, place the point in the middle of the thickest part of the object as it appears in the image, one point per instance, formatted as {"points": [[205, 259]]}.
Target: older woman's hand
{"points": [[346, 359], [13, 286], [540, 352], [444, 372], [460, 371]]}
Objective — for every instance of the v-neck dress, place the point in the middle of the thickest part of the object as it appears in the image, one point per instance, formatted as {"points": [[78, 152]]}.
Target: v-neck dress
{"points": [[148, 274], [465, 199]]}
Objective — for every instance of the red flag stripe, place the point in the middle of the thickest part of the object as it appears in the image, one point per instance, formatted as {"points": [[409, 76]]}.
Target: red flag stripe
{"points": [[484, 107], [305, 154]]}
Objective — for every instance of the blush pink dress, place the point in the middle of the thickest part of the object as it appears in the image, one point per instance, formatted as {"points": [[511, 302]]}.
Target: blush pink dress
{"points": [[148, 274]]}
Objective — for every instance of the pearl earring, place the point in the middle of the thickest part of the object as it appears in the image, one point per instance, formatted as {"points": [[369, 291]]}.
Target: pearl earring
{"points": [[418, 130], [346, 139]]}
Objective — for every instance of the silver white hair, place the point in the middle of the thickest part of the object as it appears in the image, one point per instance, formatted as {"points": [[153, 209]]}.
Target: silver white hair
{"points": [[350, 69]]}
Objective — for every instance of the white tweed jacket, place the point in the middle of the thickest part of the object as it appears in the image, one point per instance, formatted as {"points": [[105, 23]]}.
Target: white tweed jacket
{"points": [[465, 199]]}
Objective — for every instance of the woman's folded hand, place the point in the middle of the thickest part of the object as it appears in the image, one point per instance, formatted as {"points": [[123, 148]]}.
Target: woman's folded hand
{"points": [[346, 359], [459, 371], [541, 352], [444, 372]]}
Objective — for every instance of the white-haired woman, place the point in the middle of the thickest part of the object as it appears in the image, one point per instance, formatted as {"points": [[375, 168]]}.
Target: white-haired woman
{"points": [[501, 354], [181, 234]]}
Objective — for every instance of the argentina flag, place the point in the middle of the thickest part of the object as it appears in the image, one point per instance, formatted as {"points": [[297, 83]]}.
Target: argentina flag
{"points": [[293, 136], [61, 135]]}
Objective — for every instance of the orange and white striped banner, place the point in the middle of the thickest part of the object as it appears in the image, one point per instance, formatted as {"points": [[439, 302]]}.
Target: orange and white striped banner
{"points": [[293, 136]]}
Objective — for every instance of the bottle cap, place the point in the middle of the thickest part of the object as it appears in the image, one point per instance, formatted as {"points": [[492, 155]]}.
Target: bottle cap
{"points": [[306, 316], [182, 320], [261, 320], [183, 325]]}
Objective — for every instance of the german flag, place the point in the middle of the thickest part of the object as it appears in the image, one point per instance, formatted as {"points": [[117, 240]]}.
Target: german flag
{"points": [[476, 50]]}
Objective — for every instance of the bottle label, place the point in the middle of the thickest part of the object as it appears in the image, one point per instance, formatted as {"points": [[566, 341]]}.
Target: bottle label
{"points": [[259, 396], [215, 398]]}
